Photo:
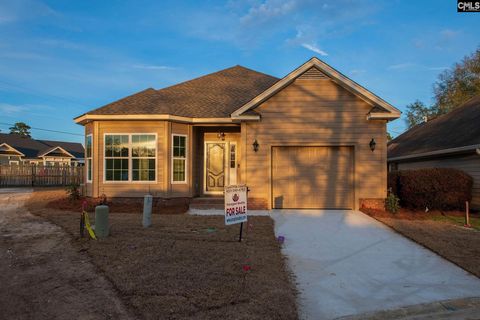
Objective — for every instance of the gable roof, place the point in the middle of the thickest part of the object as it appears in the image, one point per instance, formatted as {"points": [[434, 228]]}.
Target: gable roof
{"points": [[6, 149], [32, 148], [74, 148], [380, 108], [227, 95], [455, 131], [55, 152], [214, 95]]}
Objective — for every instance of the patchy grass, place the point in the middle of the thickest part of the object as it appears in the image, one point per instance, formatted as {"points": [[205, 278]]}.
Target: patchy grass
{"points": [[443, 233], [457, 220], [188, 267]]}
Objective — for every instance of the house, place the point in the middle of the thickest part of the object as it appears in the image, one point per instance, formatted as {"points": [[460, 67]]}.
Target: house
{"points": [[313, 139], [449, 141], [18, 149]]}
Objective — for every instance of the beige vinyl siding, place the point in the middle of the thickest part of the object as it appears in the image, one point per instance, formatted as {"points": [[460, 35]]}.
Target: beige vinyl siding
{"points": [[125, 188], [467, 163], [315, 113]]}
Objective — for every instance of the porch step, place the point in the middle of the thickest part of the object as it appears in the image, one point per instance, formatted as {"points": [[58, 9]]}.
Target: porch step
{"points": [[205, 203]]}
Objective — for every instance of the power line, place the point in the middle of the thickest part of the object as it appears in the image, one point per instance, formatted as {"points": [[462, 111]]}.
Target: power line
{"points": [[56, 131]]}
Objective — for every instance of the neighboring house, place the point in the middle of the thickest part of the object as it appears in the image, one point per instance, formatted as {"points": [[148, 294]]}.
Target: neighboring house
{"points": [[17, 149], [303, 141], [449, 141]]}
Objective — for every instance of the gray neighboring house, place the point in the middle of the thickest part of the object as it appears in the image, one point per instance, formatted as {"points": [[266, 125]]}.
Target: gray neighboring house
{"points": [[17, 149], [449, 141]]}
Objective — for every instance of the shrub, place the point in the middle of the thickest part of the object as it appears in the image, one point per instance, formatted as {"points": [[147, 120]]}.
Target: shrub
{"points": [[392, 203], [435, 188], [73, 191]]}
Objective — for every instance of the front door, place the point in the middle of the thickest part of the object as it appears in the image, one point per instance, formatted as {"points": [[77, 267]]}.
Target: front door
{"points": [[215, 166]]}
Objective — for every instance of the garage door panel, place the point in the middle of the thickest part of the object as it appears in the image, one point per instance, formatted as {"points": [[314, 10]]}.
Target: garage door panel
{"points": [[312, 177]]}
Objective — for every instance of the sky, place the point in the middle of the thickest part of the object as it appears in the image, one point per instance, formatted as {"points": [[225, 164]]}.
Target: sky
{"points": [[59, 59]]}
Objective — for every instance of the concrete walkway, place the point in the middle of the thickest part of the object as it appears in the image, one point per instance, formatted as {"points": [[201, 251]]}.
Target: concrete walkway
{"points": [[347, 263]]}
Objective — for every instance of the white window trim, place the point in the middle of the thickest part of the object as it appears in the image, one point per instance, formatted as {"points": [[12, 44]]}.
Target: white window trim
{"points": [[172, 158], [15, 162], [130, 169], [87, 158]]}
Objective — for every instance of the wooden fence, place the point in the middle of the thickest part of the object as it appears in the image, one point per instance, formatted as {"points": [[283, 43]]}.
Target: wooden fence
{"points": [[39, 175]]}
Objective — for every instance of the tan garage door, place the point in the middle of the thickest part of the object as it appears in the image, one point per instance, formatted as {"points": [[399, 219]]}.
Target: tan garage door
{"points": [[312, 177]]}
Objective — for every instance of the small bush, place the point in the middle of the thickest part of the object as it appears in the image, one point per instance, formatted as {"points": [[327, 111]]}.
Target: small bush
{"points": [[392, 203], [435, 188], [73, 191]]}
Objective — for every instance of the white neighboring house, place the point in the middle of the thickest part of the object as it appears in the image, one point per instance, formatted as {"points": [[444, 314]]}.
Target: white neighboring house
{"points": [[17, 149]]}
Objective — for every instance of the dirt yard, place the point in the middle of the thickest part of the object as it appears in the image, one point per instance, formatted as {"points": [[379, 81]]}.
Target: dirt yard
{"points": [[186, 267], [442, 233], [42, 276]]}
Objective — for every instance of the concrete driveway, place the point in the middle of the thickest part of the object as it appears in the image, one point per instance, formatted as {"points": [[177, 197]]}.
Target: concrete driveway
{"points": [[347, 263]]}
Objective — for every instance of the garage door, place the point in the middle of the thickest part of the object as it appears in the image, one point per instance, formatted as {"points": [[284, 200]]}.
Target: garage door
{"points": [[312, 177]]}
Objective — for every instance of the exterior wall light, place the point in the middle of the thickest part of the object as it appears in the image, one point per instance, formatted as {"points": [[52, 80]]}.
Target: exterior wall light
{"points": [[255, 145], [372, 144], [221, 135]]}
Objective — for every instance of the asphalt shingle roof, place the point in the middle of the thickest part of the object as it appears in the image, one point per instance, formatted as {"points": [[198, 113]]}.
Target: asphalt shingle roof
{"points": [[32, 148], [215, 95], [458, 128]]}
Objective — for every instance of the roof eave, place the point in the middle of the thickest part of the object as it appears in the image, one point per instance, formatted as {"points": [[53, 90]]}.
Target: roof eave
{"points": [[84, 119], [245, 117], [383, 116], [449, 151]]}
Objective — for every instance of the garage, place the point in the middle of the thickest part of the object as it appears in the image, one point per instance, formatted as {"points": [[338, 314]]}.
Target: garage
{"points": [[312, 177]]}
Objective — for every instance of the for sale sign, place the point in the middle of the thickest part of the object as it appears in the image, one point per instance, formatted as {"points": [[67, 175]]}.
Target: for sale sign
{"points": [[235, 204]]}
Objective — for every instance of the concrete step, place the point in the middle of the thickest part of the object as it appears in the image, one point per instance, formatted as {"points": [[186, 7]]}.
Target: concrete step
{"points": [[205, 203]]}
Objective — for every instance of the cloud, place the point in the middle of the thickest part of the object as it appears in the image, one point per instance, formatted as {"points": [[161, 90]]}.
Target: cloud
{"points": [[10, 109], [152, 67], [248, 24], [18, 10], [437, 68], [410, 65], [448, 34], [357, 71], [268, 10], [400, 66], [314, 48], [14, 111]]}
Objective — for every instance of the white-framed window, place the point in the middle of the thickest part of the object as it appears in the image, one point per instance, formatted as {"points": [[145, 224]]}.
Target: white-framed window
{"points": [[14, 162], [130, 157], [88, 157], [144, 153], [179, 158]]}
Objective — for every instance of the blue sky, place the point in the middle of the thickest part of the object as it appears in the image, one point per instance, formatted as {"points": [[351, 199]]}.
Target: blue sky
{"points": [[59, 59]]}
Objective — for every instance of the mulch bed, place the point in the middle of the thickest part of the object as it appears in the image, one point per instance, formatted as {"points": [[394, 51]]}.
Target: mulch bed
{"points": [[58, 200], [187, 267], [455, 243]]}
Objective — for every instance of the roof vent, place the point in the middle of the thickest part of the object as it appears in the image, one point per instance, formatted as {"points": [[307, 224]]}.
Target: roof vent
{"points": [[312, 74]]}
